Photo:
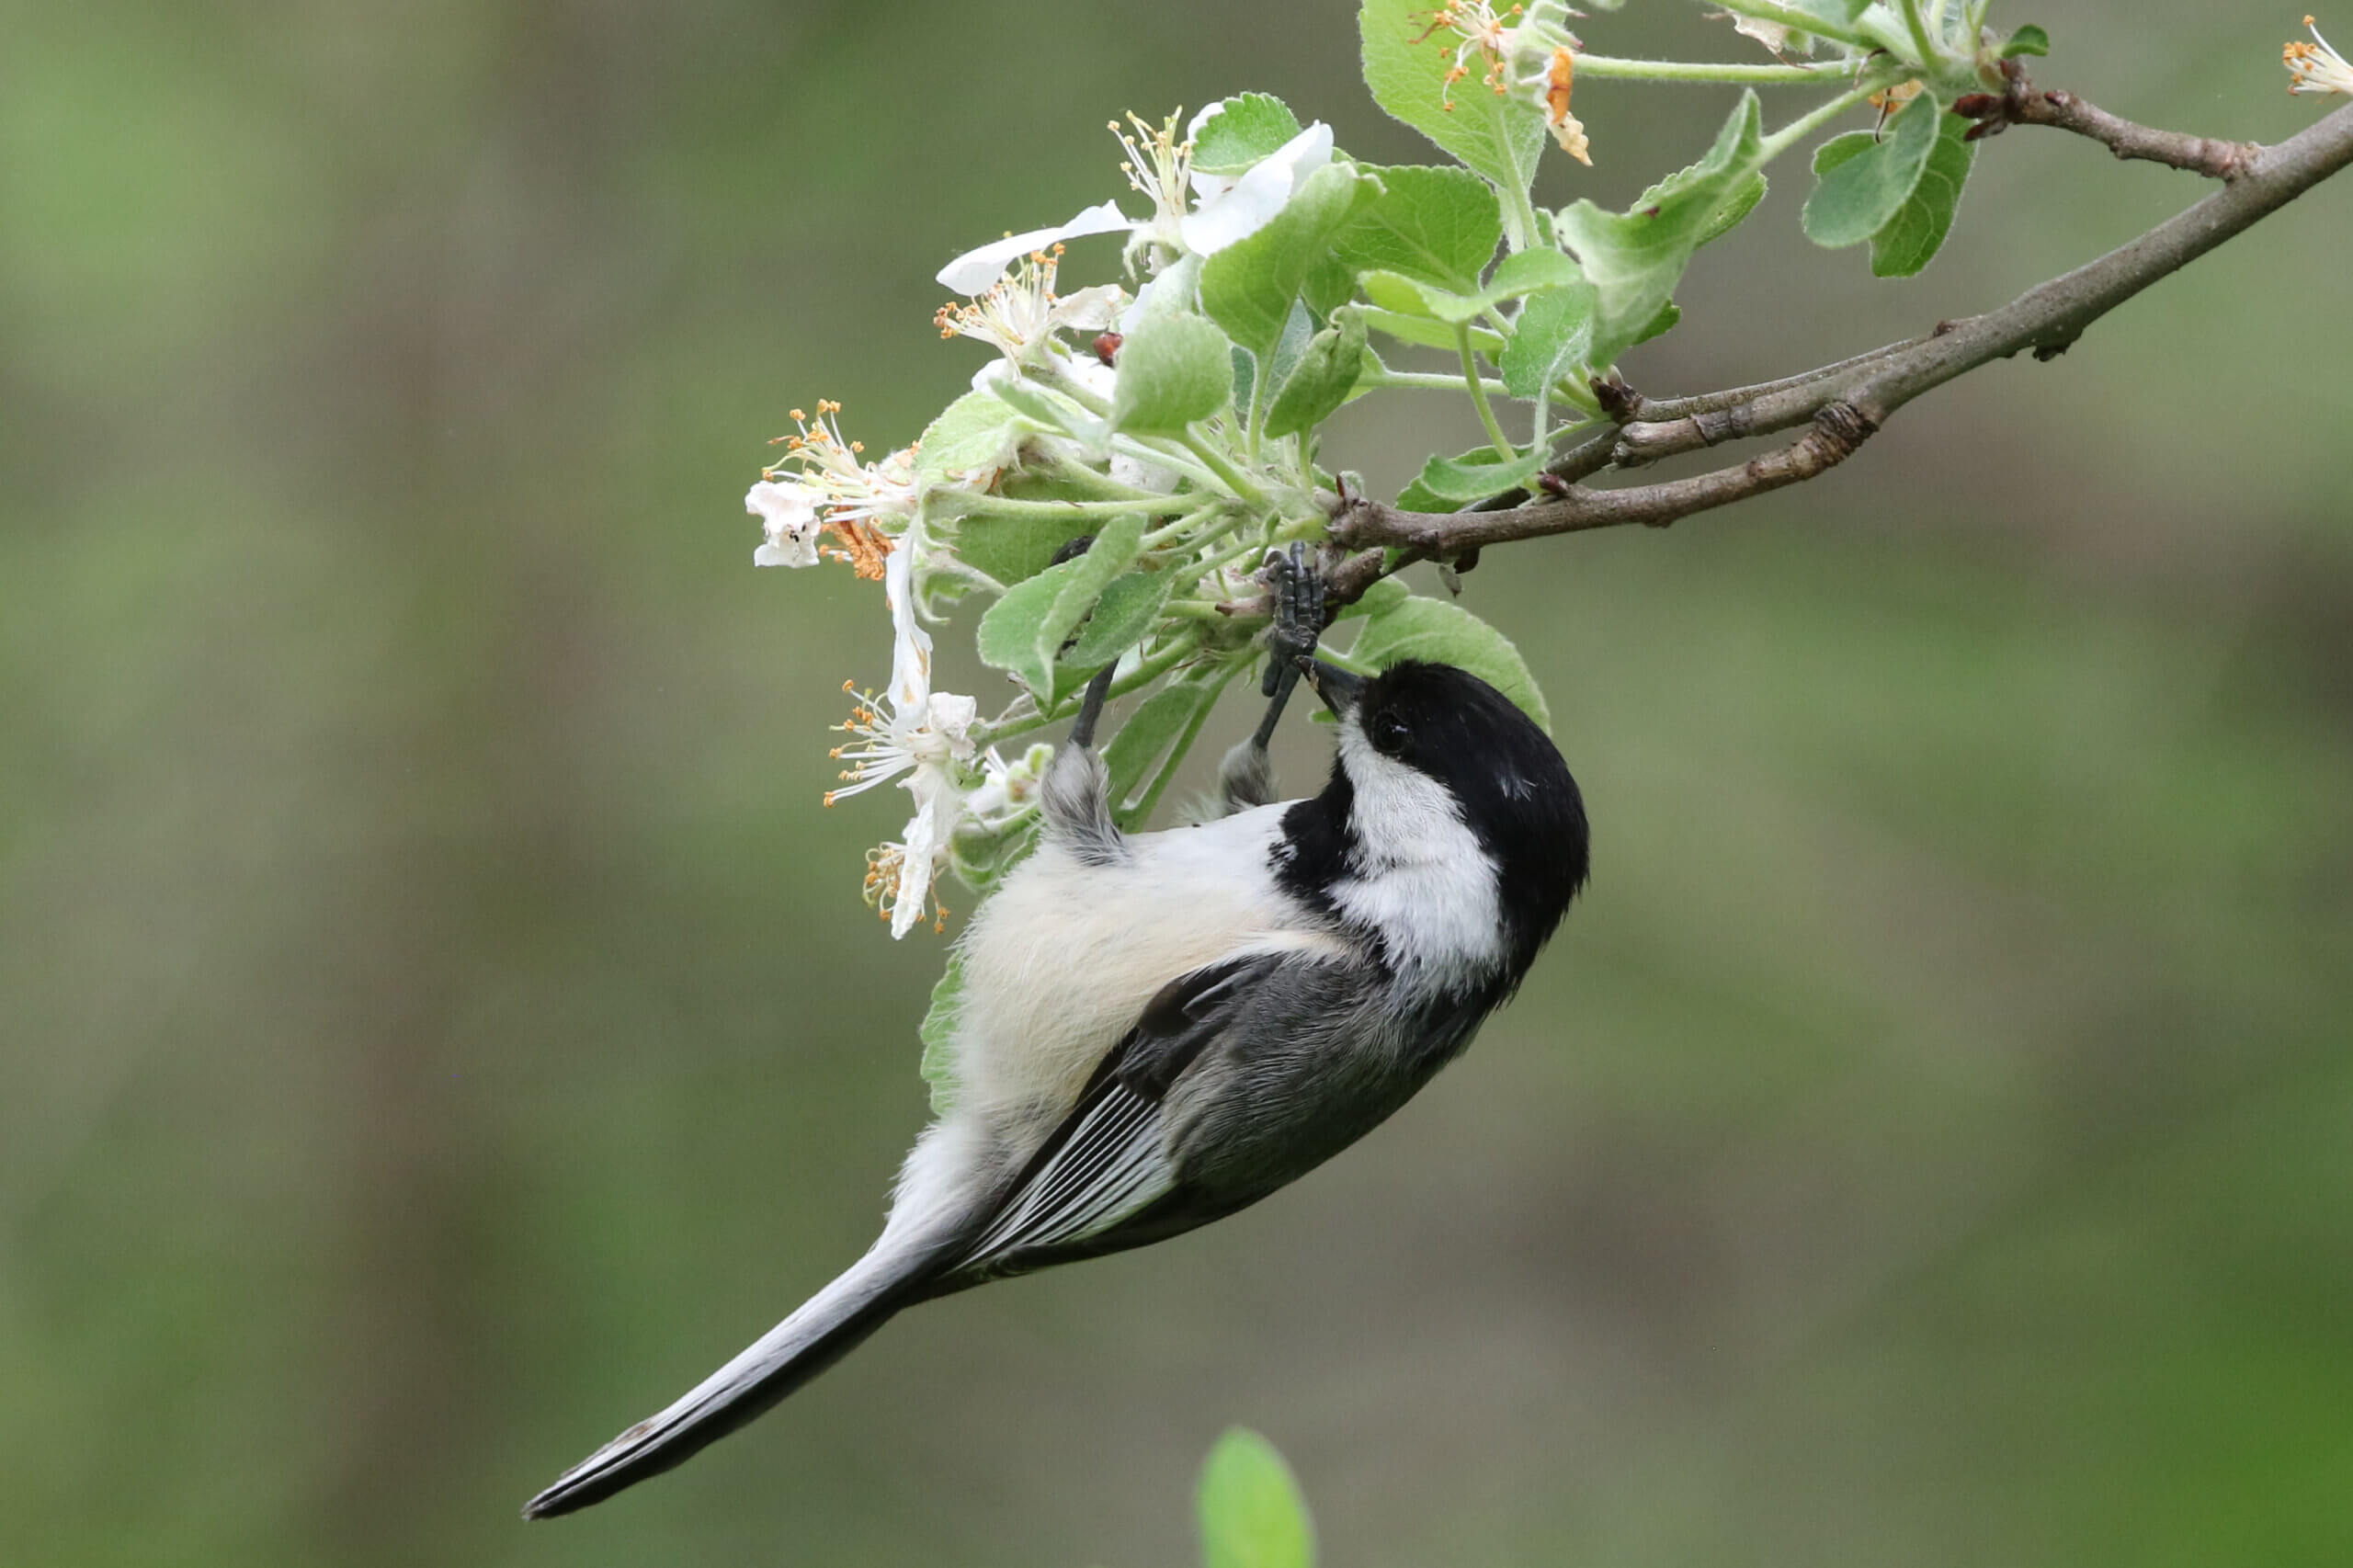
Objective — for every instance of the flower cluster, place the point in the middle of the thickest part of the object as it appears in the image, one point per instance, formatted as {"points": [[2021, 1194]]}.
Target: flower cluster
{"points": [[898, 520]]}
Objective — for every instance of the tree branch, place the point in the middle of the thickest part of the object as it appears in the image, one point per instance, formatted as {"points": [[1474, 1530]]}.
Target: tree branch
{"points": [[1846, 403], [2019, 104]]}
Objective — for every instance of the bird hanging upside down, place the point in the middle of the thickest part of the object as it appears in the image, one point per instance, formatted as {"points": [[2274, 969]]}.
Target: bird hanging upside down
{"points": [[1157, 1029]]}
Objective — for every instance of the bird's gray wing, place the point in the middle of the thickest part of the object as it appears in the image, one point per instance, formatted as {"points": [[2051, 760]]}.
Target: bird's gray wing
{"points": [[1110, 1160]]}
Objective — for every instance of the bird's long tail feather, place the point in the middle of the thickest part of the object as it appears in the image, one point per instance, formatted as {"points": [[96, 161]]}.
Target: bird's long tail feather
{"points": [[825, 1328]]}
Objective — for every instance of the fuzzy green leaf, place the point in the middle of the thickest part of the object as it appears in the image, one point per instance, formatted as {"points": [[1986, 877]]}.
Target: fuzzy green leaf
{"points": [[1635, 258], [1500, 138], [1024, 631], [1326, 376], [1910, 240], [1010, 549], [1125, 612], [1523, 273], [1447, 634], [1456, 481], [1425, 331], [1859, 188], [1438, 225], [939, 1035], [1380, 596], [1251, 1512], [978, 433], [1553, 334], [2027, 40], [1736, 205], [1244, 129], [1248, 287], [1150, 731], [1174, 369]]}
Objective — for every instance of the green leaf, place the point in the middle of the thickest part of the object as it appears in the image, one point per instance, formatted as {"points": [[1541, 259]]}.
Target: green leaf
{"points": [[1010, 549], [1635, 258], [1244, 129], [1738, 204], [1248, 287], [1331, 282], [1554, 333], [939, 1033], [1299, 331], [1859, 188], [1660, 325], [1447, 634], [1498, 137], [1024, 631], [1523, 273], [1128, 756], [1910, 240], [1428, 331], [1379, 598], [1324, 377], [1837, 13], [1438, 225], [2027, 40], [1125, 612], [1174, 369], [1456, 481], [979, 433], [1251, 1512]]}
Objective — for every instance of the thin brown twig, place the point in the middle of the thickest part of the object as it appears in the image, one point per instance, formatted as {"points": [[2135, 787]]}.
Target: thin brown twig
{"points": [[2019, 103], [1845, 404]]}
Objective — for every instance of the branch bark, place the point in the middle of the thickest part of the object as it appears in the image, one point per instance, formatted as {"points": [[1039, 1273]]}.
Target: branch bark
{"points": [[1844, 404], [2019, 104]]}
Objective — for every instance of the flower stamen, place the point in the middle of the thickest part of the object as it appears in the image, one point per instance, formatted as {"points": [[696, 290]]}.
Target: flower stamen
{"points": [[2315, 67]]}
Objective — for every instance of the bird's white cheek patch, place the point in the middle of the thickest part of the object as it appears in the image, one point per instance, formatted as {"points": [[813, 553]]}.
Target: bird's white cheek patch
{"points": [[1422, 880]]}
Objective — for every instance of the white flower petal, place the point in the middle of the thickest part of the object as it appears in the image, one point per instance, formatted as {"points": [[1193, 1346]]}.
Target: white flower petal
{"points": [[914, 876], [1090, 310], [788, 511], [975, 271], [911, 646], [1258, 196], [938, 807], [1093, 374], [953, 716]]}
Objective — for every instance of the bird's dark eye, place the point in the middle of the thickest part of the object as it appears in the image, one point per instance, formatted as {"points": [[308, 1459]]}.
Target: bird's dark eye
{"points": [[1389, 733]]}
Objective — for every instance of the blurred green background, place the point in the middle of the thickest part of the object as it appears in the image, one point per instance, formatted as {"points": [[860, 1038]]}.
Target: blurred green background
{"points": [[439, 1025]]}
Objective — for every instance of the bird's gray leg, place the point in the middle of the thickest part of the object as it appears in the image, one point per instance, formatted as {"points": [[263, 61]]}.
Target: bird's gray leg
{"points": [[1076, 797], [1246, 776]]}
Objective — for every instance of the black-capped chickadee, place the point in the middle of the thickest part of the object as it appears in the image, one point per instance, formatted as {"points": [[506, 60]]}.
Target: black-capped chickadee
{"points": [[1157, 1029]]}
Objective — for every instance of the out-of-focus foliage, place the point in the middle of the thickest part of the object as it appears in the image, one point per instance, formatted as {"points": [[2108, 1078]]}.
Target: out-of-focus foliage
{"points": [[439, 1026]]}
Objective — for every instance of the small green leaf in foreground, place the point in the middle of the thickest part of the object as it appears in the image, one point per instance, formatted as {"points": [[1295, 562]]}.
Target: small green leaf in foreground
{"points": [[1251, 1513]]}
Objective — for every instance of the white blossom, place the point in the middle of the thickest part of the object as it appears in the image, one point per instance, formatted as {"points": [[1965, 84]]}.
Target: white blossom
{"points": [[832, 492], [1193, 213], [1020, 314], [788, 511], [976, 270], [2315, 67], [918, 736]]}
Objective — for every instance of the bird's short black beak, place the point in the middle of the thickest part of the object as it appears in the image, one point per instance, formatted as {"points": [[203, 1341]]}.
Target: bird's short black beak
{"points": [[1336, 686]]}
